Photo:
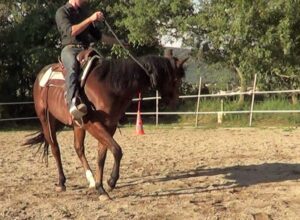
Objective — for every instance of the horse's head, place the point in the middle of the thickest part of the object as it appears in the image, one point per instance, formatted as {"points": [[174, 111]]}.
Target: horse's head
{"points": [[169, 90], [165, 75]]}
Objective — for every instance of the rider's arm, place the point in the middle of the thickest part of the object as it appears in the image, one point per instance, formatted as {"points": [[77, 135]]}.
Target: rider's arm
{"points": [[63, 23], [67, 28], [78, 28]]}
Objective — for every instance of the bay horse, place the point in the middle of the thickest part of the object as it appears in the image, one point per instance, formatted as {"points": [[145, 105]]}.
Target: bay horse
{"points": [[109, 89]]}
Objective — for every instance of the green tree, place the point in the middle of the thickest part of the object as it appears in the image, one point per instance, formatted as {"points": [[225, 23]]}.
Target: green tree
{"points": [[29, 39], [27, 44], [251, 37]]}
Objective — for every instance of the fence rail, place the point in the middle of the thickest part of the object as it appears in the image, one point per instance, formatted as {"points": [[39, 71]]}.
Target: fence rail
{"points": [[251, 111]]}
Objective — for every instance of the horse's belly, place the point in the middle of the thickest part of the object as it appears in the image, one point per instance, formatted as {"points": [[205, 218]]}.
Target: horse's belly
{"points": [[58, 106]]}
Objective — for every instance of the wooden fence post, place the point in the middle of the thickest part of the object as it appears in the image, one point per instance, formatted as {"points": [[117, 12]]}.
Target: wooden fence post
{"points": [[198, 101], [156, 121], [252, 102]]}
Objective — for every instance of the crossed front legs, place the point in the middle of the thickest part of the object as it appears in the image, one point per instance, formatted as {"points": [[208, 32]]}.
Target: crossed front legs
{"points": [[105, 141], [79, 136]]}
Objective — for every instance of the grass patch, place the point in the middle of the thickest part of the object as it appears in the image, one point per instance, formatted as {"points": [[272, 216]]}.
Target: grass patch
{"points": [[241, 119], [204, 120]]}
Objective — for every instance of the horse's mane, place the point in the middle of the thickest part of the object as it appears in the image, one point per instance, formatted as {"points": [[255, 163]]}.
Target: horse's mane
{"points": [[122, 74]]}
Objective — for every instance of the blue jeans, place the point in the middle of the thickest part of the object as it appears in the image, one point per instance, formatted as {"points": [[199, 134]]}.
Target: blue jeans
{"points": [[68, 56]]}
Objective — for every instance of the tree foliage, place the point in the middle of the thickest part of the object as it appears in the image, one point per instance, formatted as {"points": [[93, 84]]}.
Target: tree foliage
{"points": [[252, 37], [29, 38]]}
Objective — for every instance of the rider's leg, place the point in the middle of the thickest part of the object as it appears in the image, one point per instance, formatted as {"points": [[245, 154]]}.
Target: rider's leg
{"points": [[71, 65]]}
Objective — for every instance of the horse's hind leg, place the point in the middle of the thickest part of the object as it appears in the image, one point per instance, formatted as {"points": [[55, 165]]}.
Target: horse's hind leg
{"points": [[79, 135], [49, 131]]}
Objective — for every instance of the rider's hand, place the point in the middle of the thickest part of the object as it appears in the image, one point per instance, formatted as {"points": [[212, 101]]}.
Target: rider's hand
{"points": [[97, 16]]}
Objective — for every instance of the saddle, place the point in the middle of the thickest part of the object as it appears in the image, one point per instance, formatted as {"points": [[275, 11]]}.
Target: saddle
{"points": [[55, 74]]}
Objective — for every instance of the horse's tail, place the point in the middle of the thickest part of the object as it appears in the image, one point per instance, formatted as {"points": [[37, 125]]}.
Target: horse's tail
{"points": [[39, 140]]}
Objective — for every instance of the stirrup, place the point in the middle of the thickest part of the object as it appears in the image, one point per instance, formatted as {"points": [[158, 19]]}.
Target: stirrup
{"points": [[78, 111]]}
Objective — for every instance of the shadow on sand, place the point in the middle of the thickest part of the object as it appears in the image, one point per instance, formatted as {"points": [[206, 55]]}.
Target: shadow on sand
{"points": [[234, 177]]}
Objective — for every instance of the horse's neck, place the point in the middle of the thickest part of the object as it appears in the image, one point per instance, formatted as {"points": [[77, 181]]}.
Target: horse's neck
{"points": [[113, 97]]}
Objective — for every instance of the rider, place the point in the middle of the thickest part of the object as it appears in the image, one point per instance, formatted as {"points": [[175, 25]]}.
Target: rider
{"points": [[77, 31]]}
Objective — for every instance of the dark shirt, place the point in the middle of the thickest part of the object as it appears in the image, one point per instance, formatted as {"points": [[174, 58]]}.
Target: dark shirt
{"points": [[65, 17]]}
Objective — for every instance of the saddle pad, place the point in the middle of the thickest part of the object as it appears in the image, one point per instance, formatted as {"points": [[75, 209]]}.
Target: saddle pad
{"points": [[51, 75], [57, 78]]}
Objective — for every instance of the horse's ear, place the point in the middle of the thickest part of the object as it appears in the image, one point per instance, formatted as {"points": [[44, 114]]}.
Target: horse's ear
{"points": [[179, 63]]}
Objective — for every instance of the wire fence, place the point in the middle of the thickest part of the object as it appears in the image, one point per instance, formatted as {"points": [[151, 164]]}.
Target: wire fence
{"points": [[196, 113]]}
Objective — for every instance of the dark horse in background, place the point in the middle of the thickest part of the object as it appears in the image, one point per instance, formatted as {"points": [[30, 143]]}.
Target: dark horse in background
{"points": [[108, 91]]}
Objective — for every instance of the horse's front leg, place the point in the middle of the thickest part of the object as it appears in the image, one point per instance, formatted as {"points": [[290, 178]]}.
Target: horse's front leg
{"points": [[79, 136], [114, 176], [97, 130], [99, 169]]}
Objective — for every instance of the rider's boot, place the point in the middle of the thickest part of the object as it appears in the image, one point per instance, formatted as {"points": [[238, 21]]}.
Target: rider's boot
{"points": [[77, 109]]}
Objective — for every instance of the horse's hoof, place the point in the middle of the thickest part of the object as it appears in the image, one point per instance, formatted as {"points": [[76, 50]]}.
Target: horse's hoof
{"points": [[111, 184], [60, 188], [91, 190], [104, 198]]}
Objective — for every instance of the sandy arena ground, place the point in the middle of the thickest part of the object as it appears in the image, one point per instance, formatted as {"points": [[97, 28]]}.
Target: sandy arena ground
{"points": [[240, 173]]}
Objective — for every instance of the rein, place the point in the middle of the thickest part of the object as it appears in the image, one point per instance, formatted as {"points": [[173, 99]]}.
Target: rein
{"points": [[130, 55], [122, 45]]}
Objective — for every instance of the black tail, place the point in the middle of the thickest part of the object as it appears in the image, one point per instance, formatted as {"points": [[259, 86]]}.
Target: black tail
{"points": [[40, 141]]}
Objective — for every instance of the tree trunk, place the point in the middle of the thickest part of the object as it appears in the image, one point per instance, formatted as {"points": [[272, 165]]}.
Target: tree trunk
{"points": [[242, 85]]}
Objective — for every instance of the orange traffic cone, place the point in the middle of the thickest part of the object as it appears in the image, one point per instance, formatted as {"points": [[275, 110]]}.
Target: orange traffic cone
{"points": [[139, 124]]}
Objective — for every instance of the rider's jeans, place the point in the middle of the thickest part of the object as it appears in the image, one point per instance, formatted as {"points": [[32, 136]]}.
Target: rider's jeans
{"points": [[68, 56]]}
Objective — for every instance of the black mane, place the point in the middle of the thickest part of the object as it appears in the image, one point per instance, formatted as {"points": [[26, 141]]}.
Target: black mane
{"points": [[123, 74]]}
